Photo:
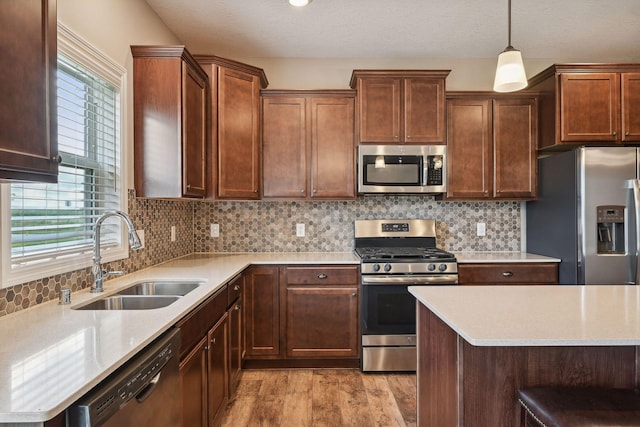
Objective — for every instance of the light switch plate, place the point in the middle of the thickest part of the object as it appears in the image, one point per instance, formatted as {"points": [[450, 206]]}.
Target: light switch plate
{"points": [[215, 230], [481, 229], [300, 230]]}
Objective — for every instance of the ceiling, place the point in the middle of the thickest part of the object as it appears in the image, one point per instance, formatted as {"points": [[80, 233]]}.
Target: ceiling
{"points": [[565, 30]]}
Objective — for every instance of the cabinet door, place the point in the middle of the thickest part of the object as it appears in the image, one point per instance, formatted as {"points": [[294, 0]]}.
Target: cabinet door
{"points": [[193, 386], [262, 315], [424, 116], [631, 107], [238, 137], [284, 147], [515, 142], [379, 109], [589, 106], [332, 148], [194, 132], [469, 148], [218, 373], [28, 119], [322, 322], [235, 345]]}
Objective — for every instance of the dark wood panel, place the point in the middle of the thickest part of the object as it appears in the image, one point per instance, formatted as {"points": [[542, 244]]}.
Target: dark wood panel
{"points": [[217, 369], [424, 110], [196, 324], [323, 275], [28, 117], [631, 107], [193, 386], [262, 315], [508, 273], [437, 375], [379, 109], [194, 132]]}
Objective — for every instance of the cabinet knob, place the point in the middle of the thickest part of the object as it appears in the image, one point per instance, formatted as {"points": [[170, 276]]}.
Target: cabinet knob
{"points": [[507, 274], [628, 133], [237, 307], [206, 348], [301, 191], [315, 190], [615, 133], [353, 294], [321, 276], [236, 288], [56, 159], [188, 186], [213, 340]]}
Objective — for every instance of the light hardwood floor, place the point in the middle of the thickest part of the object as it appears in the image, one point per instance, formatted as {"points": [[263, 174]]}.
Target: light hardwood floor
{"points": [[322, 397]]}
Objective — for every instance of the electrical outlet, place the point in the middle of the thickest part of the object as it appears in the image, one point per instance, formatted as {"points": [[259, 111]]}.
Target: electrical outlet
{"points": [[215, 230], [481, 229], [140, 234], [300, 230], [173, 233]]}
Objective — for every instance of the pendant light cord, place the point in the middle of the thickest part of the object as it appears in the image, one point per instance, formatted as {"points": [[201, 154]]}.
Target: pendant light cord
{"points": [[509, 36]]}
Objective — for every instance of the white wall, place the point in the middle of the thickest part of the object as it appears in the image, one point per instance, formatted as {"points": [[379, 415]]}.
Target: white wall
{"points": [[111, 26]]}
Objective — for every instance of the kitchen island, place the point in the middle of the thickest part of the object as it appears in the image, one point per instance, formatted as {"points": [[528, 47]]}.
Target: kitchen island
{"points": [[478, 345]]}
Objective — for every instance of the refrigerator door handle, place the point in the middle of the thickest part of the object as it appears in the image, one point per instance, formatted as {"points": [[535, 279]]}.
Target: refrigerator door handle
{"points": [[634, 186]]}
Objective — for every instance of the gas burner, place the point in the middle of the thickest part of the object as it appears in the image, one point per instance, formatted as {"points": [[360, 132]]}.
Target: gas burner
{"points": [[396, 254]]}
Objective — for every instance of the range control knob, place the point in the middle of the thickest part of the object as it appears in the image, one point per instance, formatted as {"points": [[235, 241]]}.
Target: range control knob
{"points": [[442, 267], [431, 267], [387, 267], [376, 267]]}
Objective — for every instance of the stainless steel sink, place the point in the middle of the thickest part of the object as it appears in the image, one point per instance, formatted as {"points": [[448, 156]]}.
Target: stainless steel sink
{"points": [[161, 287], [130, 302]]}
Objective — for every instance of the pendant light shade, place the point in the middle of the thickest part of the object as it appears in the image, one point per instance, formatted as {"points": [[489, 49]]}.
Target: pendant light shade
{"points": [[299, 3], [510, 75]]}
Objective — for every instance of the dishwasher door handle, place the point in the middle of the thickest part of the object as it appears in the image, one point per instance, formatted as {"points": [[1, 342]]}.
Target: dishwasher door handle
{"points": [[148, 390]]}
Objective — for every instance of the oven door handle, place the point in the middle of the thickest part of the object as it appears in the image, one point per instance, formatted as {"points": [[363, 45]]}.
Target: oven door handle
{"points": [[436, 279]]}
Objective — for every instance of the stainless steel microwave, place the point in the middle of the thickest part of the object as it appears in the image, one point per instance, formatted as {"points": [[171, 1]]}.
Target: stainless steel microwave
{"points": [[396, 169]]}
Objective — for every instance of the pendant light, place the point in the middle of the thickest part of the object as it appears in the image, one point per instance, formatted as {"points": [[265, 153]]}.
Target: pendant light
{"points": [[299, 3], [510, 75]]}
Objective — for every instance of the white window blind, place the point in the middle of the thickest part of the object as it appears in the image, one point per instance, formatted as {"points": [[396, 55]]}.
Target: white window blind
{"points": [[58, 218], [48, 228]]}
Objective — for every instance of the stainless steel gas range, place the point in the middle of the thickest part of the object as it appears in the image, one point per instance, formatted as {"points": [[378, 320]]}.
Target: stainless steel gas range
{"points": [[396, 254]]}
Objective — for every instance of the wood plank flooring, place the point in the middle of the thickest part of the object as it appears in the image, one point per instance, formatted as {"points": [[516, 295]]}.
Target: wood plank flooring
{"points": [[322, 397]]}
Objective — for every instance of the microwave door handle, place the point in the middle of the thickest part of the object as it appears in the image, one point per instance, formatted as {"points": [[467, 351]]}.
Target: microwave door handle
{"points": [[634, 186]]}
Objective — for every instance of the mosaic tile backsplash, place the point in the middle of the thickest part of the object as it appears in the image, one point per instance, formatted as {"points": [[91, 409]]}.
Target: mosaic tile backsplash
{"points": [[270, 226]]}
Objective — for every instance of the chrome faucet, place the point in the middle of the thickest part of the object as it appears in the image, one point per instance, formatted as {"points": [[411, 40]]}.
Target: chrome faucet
{"points": [[134, 243]]}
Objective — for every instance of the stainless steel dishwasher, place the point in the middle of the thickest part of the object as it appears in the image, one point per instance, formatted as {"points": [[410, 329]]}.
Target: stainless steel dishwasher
{"points": [[144, 392]]}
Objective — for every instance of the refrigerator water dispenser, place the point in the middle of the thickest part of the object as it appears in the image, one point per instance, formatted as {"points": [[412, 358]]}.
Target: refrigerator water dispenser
{"points": [[610, 229]]}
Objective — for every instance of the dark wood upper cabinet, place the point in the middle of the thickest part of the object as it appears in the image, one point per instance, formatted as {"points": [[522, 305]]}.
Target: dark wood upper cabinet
{"points": [[235, 127], [491, 147], [170, 123], [588, 104], [28, 118], [400, 107], [308, 143]]}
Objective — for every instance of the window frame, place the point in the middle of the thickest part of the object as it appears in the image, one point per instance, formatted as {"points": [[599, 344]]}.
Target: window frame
{"points": [[82, 52]]}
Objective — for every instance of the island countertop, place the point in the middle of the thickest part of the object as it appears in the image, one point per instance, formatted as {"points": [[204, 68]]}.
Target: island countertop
{"points": [[537, 315]]}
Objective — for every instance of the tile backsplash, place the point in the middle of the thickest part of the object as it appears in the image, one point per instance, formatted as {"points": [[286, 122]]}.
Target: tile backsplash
{"points": [[270, 226]]}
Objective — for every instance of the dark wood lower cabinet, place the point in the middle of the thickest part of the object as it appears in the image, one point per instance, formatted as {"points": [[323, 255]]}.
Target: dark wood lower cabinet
{"points": [[236, 347], [217, 369], [193, 386], [262, 318], [515, 273]]}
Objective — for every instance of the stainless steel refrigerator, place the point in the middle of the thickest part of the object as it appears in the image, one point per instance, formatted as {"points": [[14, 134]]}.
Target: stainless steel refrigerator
{"points": [[587, 214]]}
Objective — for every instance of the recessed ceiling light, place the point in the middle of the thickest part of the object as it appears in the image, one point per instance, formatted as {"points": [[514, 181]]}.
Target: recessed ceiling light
{"points": [[299, 3]]}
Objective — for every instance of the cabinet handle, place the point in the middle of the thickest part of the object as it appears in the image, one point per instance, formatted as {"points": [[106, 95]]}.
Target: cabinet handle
{"points": [[321, 276], [213, 340], [353, 294], [206, 348], [57, 159], [236, 288], [301, 191], [237, 307], [315, 191], [628, 133], [507, 274], [615, 133], [188, 186]]}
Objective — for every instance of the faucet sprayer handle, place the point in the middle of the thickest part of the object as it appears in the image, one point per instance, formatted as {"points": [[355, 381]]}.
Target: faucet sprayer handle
{"points": [[112, 273]]}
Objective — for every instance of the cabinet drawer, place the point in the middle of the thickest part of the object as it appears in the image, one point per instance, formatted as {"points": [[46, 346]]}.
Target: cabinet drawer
{"points": [[508, 273], [196, 324], [322, 275], [234, 289]]}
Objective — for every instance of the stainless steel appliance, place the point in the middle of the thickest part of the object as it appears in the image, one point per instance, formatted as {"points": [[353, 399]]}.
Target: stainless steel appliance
{"points": [[587, 214], [144, 392], [402, 169], [396, 254]]}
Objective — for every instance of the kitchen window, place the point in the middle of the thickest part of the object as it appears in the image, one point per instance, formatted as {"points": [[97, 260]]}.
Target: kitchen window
{"points": [[47, 229]]}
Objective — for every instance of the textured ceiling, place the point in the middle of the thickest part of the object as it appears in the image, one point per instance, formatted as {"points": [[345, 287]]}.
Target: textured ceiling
{"points": [[570, 30]]}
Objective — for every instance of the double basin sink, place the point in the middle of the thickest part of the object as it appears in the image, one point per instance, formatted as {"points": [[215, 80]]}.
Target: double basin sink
{"points": [[144, 296]]}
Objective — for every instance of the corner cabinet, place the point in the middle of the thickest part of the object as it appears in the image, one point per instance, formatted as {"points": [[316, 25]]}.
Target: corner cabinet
{"points": [[400, 107], [491, 147], [588, 104], [235, 127], [28, 112], [170, 123], [308, 143]]}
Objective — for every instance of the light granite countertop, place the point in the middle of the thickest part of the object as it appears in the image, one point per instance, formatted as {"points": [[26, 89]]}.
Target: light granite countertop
{"points": [[537, 315], [51, 354], [501, 257]]}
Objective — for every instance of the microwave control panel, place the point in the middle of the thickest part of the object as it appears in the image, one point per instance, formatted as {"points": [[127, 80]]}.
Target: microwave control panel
{"points": [[434, 170]]}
